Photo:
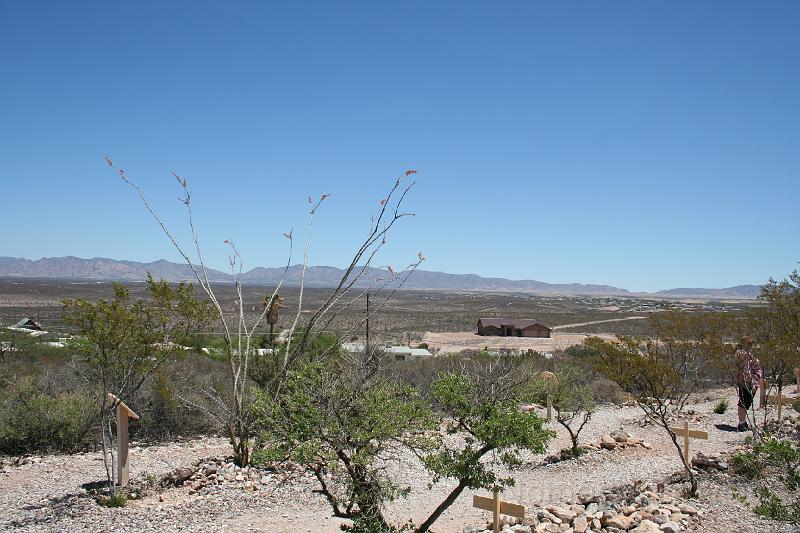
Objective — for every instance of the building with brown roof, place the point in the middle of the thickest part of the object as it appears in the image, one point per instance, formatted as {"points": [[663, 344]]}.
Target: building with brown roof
{"points": [[512, 327]]}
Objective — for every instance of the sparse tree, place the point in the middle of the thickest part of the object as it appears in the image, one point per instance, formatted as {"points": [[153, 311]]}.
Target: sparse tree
{"points": [[776, 329], [481, 404], [122, 343], [573, 401], [343, 420], [660, 374]]}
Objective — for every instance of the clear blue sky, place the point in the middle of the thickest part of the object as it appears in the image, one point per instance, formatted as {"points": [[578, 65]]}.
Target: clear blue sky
{"points": [[642, 144]]}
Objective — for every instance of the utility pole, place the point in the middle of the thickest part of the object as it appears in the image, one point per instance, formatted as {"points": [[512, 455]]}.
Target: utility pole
{"points": [[366, 344]]}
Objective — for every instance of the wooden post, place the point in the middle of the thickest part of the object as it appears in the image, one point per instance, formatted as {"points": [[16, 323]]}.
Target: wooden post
{"points": [[496, 518], [123, 413], [498, 507], [779, 400], [687, 433], [550, 377], [762, 397], [686, 442]]}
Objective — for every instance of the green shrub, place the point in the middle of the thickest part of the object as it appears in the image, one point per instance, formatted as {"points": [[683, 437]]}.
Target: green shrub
{"points": [[120, 499], [34, 422], [571, 453], [773, 461], [747, 464], [721, 406]]}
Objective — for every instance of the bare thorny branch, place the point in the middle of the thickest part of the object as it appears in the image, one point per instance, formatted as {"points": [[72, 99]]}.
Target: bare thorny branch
{"points": [[238, 340]]}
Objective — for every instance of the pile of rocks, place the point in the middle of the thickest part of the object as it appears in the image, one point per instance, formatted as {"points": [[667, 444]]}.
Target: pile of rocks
{"points": [[211, 475], [619, 439], [788, 427], [714, 461], [640, 508], [690, 415], [7, 463]]}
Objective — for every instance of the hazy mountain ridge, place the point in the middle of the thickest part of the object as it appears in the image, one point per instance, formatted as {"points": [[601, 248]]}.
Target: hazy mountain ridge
{"points": [[323, 276], [739, 291]]}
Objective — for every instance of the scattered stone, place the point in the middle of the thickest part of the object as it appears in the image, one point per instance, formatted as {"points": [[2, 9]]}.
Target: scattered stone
{"points": [[646, 526], [620, 435], [671, 527], [607, 442], [712, 461]]}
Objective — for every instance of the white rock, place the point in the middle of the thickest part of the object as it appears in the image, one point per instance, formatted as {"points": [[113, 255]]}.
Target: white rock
{"points": [[671, 527]]}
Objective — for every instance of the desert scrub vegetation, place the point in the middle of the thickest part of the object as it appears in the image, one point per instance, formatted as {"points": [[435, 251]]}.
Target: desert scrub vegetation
{"points": [[773, 464], [123, 342], [343, 419], [33, 421], [46, 407], [573, 400], [721, 407]]}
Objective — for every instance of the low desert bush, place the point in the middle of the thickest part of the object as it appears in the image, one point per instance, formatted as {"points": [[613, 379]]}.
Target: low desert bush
{"points": [[32, 421], [721, 406], [571, 453], [775, 464], [120, 499]]}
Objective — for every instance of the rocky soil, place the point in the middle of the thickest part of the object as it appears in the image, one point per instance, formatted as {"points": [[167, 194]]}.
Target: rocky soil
{"points": [[626, 480]]}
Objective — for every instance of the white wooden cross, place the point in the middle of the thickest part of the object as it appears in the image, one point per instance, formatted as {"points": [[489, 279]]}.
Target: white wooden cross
{"points": [[780, 400], [123, 413], [687, 433], [498, 507], [551, 378]]}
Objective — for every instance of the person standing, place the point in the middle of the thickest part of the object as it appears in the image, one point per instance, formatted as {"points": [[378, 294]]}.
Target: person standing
{"points": [[749, 375]]}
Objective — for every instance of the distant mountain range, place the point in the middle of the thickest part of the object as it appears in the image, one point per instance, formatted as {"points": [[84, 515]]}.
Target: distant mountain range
{"points": [[326, 276]]}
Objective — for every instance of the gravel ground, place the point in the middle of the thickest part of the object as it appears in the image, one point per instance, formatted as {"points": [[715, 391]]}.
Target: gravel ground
{"points": [[48, 495]]}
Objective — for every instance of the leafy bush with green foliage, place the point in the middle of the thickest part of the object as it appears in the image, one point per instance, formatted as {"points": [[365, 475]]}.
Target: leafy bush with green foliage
{"points": [[766, 457], [123, 341], [481, 404], [336, 422], [32, 421], [343, 419]]}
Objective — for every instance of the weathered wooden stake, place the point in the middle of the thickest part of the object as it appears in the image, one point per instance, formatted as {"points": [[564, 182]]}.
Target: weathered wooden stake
{"points": [[780, 400], [550, 377], [123, 413], [496, 511], [762, 396], [498, 507], [687, 433]]}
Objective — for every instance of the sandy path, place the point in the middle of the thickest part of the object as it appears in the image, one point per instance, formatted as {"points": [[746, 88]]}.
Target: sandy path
{"points": [[564, 326]]}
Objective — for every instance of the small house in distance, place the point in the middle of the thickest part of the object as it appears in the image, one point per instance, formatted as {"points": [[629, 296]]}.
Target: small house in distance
{"points": [[27, 323], [512, 327], [406, 353]]}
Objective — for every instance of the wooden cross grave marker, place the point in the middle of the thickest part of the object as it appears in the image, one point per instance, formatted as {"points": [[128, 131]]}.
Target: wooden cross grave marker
{"points": [[687, 433], [780, 400], [551, 378], [123, 413], [498, 507]]}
